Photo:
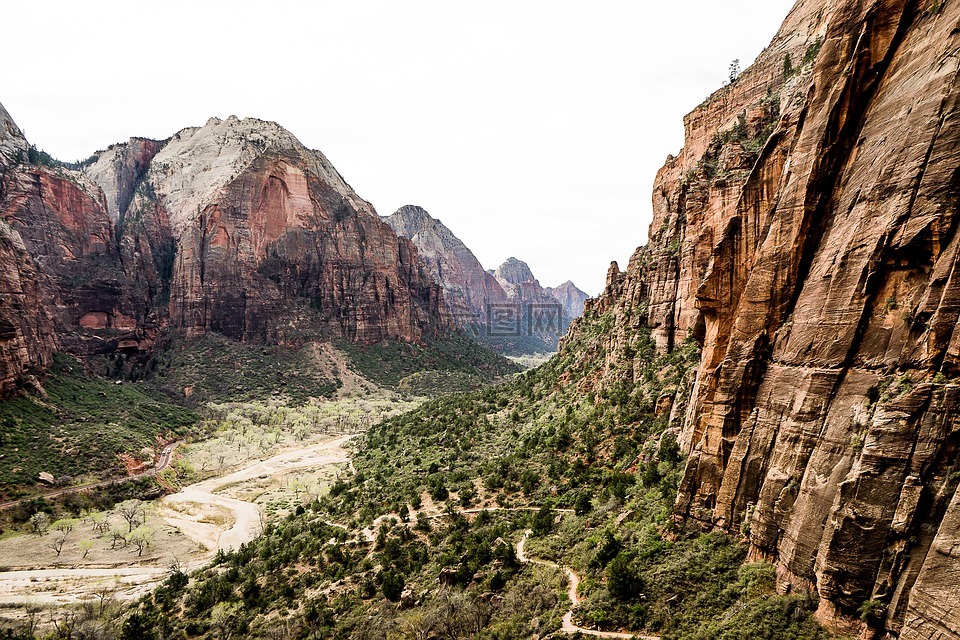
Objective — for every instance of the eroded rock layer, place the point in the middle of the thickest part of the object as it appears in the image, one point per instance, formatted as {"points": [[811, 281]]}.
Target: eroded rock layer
{"points": [[233, 227], [806, 236]]}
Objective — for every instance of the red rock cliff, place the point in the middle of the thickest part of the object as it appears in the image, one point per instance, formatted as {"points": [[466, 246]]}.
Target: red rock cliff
{"points": [[807, 237], [233, 227]]}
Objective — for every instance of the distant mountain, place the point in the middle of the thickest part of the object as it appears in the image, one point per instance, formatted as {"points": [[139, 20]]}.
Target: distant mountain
{"points": [[572, 298], [467, 288], [233, 228], [506, 308]]}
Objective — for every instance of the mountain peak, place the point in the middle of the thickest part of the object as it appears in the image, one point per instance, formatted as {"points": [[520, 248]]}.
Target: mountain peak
{"points": [[411, 218], [514, 271], [12, 143], [198, 162]]}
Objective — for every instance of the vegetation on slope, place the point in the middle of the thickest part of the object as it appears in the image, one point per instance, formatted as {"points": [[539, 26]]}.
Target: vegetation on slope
{"points": [[593, 474], [448, 363], [213, 368], [80, 426]]}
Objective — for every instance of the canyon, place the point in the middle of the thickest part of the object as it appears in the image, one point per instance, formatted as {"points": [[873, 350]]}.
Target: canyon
{"points": [[804, 243], [233, 227], [537, 316]]}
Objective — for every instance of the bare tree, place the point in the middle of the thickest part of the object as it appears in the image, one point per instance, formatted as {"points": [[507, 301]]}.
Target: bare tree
{"points": [[40, 523], [105, 598], [118, 537], [132, 512], [33, 617], [62, 530], [99, 521], [66, 625]]}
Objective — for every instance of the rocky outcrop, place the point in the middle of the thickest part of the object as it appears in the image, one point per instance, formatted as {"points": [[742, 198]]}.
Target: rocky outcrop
{"points": [[541, 319], [274, 246], [27, 338], [520, 285], [233, 227], [806, 237], [119, 171], [570, 298]]}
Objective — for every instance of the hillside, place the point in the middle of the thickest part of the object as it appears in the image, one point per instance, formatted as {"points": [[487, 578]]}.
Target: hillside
{"points": [[751, 433]]}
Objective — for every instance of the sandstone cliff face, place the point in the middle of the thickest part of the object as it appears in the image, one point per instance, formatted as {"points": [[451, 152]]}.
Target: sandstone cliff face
{"points": [[233, 227], [119, 171], [274, 246], [806, 236], [27, 338]]}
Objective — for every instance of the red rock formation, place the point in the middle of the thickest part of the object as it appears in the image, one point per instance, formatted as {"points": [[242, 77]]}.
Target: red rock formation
{"points": [[467, 288], [476, 296], [273, 245], [234, 227], [807, 237]]}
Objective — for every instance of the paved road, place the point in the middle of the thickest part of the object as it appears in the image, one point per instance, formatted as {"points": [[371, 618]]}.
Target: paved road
{"points": [[165, 457]]}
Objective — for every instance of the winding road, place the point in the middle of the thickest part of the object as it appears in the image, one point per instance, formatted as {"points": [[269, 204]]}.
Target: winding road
{"points": [[199, 511], [191, 508], [369, 534]]}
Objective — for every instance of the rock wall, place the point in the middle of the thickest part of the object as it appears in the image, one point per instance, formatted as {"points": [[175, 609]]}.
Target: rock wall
{"points": [[570, 298], [274, 246], [474, 295], [806, 236]]}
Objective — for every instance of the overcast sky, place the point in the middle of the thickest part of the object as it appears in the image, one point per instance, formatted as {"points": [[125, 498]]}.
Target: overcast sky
{"points": [[530, 128]]}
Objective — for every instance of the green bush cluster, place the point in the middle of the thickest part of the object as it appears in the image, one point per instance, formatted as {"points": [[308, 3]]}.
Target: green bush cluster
{"points": [[218, 369]]}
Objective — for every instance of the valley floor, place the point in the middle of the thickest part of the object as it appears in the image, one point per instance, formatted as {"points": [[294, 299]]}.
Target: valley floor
{"points": [[191, 526]]}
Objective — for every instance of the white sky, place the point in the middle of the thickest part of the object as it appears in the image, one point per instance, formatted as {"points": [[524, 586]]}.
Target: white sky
{"points": [[531, 128]]}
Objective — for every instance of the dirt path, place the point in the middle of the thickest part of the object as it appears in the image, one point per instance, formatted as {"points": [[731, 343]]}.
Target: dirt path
{"points": [[165, 457], [333, 363], [573, 581], [63, 586], [369, 534]]}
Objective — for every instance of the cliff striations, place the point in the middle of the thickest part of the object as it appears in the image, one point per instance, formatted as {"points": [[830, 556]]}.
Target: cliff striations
{"points": [[806, 237], [467, 288], [234, 227]]}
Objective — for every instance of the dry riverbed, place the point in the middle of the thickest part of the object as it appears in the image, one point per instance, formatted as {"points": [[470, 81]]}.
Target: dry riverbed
{"points": [[187, 529]]}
